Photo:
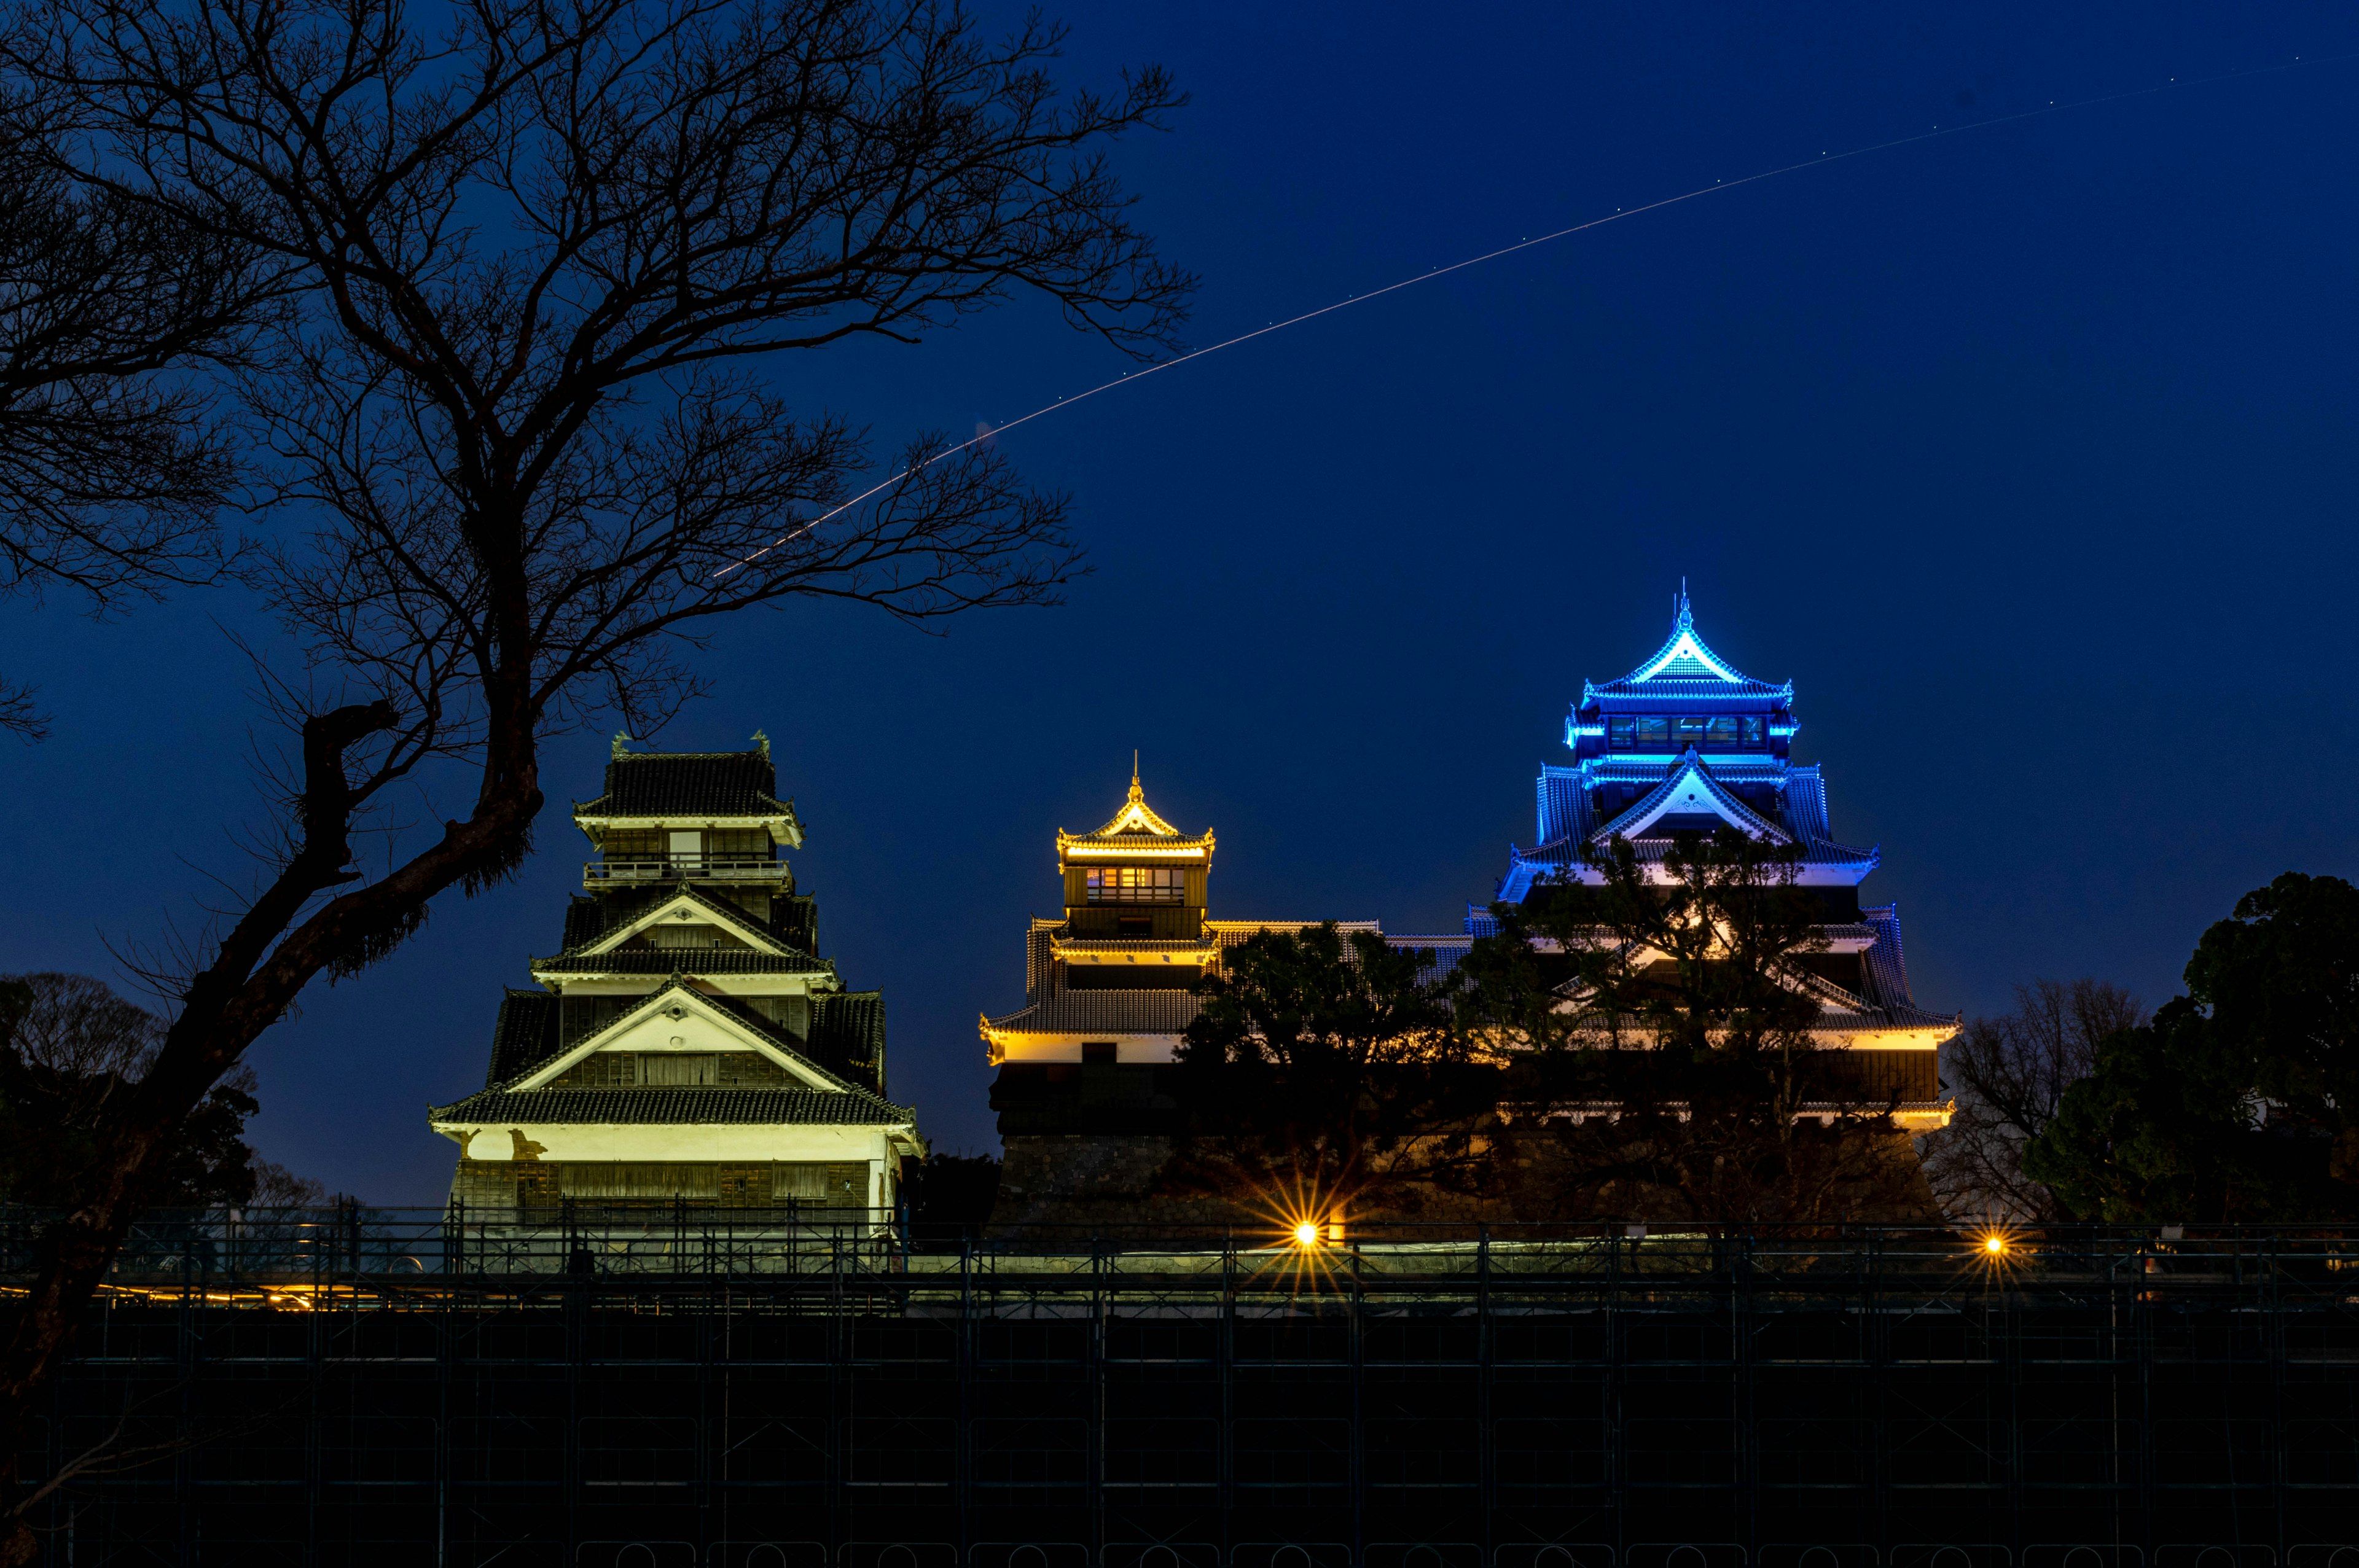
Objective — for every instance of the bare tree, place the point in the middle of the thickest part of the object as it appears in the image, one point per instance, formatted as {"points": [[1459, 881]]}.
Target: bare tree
{"points": [[518, 408], [70, 1046], [2009, 1072], [111, 461], [77, 1025]]}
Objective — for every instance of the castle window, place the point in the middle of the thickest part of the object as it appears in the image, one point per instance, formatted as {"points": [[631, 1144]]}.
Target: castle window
{"points": [[679, 1071], [1728, 732], [1138, 884]]}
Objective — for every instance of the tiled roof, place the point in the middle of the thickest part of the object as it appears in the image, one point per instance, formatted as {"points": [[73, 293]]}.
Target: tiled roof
{"points": [[1446, 951], [686, 960], [1143, 945], [847, 1035], [740, 1010], [678, 1106], [625, 908], [690, 783], [1134, 827], [524, 1035], [1684, 670], [793, 920], [1689, 771], [1887, 971], [1107, 1011]]}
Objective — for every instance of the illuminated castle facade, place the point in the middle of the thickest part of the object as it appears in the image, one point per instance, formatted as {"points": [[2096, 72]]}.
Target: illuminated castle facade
{"points": [[1687, 743], [686, 1042], [1085, 1104]]}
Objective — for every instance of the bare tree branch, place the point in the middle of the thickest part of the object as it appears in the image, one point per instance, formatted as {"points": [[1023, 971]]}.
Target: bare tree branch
{"points": [[513, 412]]}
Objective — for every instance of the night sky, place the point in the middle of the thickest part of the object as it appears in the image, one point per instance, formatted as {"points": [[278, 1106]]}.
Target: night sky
{"points": [[2027, 453]]}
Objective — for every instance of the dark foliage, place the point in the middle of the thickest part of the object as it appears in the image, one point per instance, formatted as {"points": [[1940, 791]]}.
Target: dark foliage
{"points": [[2008, 1075], [1324, 1076], [1664, 1063], [949, 1195], [2240, 1101], [68, 1046]]}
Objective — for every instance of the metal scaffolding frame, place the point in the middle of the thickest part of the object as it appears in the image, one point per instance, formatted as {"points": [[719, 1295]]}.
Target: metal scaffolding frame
{"points": [[823, 1389]]}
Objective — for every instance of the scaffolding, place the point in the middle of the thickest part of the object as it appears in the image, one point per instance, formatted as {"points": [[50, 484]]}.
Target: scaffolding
{"points": [[823, 1388]]}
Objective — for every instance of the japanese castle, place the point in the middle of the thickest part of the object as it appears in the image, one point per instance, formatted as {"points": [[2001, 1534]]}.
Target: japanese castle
{"points": [[1686, 743], [686, 1042]]}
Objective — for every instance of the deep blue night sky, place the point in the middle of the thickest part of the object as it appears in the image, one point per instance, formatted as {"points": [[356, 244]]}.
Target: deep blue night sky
{"points": [[2027, 453]]}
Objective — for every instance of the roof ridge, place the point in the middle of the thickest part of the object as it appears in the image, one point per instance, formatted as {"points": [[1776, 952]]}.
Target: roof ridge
{"points": [[679, 982]]}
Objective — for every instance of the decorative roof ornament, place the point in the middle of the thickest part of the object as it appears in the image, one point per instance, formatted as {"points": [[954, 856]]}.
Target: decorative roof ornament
{"points": [[1134, 827], [1137, 815], [1684, 659], [762, 742], [1685, 655], [623, 738]]}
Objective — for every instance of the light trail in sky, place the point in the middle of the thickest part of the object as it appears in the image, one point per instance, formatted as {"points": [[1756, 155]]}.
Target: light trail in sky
{"points": [[1132, 378]]}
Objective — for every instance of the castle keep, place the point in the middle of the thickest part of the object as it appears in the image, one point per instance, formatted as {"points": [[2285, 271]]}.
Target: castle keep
{"points": [[1685, 742], [686, 1044]]}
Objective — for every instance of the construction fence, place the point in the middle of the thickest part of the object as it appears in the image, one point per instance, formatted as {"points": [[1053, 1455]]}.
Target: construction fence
{"points": [[678, 1387]]}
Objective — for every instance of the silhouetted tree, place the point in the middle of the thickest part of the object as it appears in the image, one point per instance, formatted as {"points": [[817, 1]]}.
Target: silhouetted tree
{"points": [[949, 1195], [1324, 1073], [534, 253], [2239, 1100], [68, 1045], [1664, 1060], [2008, 1074], [111, 460]]}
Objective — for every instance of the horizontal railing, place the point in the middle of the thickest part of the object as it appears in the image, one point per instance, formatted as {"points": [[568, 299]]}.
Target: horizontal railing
{"points": [[218, 1247], [659, 867]]}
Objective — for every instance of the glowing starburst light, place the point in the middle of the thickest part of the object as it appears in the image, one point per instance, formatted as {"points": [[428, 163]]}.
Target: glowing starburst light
{"points": [[1307, 1233]]}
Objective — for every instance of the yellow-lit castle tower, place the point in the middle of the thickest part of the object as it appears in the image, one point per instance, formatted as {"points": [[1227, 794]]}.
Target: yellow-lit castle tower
{"points": [[686, 1043]]}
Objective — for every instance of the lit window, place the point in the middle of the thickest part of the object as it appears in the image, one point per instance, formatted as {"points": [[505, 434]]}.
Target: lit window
{"points": [[1723, 735], [1691, 732], [1136, 884], [1752, 732], [1622, 733], [1654, 734]]}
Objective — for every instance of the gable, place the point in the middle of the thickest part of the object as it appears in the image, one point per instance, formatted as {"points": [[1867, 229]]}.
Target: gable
{"points": [[678, 1021], [683, 910], [1689, 802], [1686, 658]]}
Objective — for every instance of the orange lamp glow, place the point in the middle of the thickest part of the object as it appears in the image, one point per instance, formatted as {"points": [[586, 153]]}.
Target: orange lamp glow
{"points": [[1306, 1234], [1995, 1244]]}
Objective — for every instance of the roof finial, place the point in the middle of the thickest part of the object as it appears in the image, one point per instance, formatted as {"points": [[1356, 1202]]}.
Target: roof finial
{"points": [[1136, 793], [761, 744], [623, 738], [1681, 618]]}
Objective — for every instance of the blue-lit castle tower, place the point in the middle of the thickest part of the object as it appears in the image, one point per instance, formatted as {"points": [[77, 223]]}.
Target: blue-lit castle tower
{"points": [[1684, 742]]}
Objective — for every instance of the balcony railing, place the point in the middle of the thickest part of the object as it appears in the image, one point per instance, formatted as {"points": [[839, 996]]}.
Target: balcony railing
{"points": [[704, 868]]}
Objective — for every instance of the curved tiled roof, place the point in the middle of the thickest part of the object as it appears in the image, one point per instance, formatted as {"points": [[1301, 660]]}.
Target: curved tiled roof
{"points": [[793, 920], [524, 1037], [1134, 827], [1107, 1011], [690, 783], [716, 1107], [686, 960], [1683, 669]]}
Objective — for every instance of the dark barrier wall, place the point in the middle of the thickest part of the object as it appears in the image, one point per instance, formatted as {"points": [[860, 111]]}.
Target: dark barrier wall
{"points": [[650, 1389]]}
